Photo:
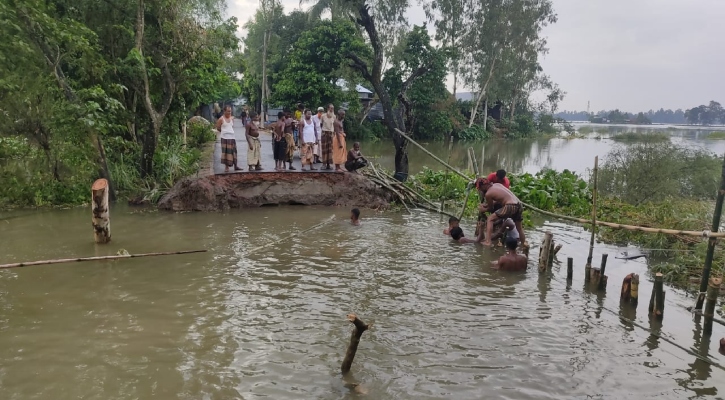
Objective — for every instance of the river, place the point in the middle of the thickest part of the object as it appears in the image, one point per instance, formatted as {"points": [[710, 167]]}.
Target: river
{"points": [[238, 322]]}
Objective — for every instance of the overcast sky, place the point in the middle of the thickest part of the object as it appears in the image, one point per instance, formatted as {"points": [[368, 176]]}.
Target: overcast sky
{"points": [[633, 55]]}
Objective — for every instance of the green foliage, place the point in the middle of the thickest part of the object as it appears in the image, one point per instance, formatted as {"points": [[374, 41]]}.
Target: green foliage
{"points": [[553, 191], [474, 132], [199, 132], [314, 64], [369, 130], [656, 172], [641, 137], [718, 135]]}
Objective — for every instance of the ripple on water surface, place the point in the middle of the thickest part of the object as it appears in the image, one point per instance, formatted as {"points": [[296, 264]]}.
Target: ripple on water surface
{"points": [[271, 323]]}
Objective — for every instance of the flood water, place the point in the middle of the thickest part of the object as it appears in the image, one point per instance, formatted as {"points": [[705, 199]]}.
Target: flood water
{"points": [[531, 155], [243, 321]]}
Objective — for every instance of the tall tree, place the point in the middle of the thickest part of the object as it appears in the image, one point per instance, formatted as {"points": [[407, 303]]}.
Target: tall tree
{"points": [[390, 15]]}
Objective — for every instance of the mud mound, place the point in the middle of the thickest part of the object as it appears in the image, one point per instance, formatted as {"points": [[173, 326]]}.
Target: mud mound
{"points": [[256, 189]]}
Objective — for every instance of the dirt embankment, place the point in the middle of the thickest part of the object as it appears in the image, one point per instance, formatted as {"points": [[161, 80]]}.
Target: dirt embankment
{"points": [[250, 189]]}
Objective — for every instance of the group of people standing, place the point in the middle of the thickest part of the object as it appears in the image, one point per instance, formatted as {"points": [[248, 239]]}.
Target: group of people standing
{"points": [[320, 139]]}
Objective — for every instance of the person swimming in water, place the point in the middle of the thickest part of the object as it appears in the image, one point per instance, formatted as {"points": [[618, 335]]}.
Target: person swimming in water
{"points": [[458, 236], [452, 223], [355, 216]]}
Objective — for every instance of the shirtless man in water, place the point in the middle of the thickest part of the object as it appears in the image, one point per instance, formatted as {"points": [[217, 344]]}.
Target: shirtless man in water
{"points": [[511, 261], [511, 208]]}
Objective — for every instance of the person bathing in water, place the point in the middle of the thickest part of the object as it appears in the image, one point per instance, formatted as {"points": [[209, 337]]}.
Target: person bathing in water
{"points": [[511, 261], [511, 207], [458, 236], [506, 231], [452, 223], [355, 217]]}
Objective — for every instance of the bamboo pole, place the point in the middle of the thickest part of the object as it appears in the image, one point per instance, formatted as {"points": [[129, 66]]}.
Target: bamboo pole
{"points": [[323, 223], [569, 269], [465, 204], [101, 219], [594, 215], [707, 234], [712, 242], [713, 290], [602, 284], [98, 258], [550, 259], [544, 251], [357, 331], [483, 153]]}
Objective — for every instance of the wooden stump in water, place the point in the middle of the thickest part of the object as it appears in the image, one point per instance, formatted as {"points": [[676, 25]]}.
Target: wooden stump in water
{"points": [[602, 283], [713, 289], [544, 251], [657, 301], [101, 217], [630, 289], [357, 332], [569, 269]]}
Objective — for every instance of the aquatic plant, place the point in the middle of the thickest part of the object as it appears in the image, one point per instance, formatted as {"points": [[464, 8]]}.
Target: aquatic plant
{"points": [[641, 137], [717, 135]]}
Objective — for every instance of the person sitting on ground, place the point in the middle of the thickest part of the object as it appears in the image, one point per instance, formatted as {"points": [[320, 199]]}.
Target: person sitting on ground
{"points": [[452, 223], [458, 236], [499, 177], [355, 159], [511, 261], [511, 208], [355, 217]]}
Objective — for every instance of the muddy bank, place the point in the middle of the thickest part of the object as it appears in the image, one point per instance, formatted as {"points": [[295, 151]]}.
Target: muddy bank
{"points": [[256, 189]]}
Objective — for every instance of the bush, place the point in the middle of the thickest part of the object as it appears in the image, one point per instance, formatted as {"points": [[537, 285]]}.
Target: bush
{"points": [[474, 132], [653, 172], [199, 131], [371, 131]]}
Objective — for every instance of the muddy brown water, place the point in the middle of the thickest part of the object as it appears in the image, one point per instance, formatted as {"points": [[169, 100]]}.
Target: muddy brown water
{"points": [[237, 324]]}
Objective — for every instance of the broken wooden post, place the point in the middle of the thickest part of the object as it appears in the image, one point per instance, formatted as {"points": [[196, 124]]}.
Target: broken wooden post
{"points": [[357, 332], [544, 251], [550, 261], [101, 219], [630, 289], [602, 283], [594, 217], [657, 301], [713, 289], [569, 269], [557, 248]]}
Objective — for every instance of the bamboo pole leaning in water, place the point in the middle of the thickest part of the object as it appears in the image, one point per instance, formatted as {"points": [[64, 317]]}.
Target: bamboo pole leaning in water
{"points": [[99, 207], [323, 223], [357, 331], [588, 267], [98, 258], [707, 234], [711, 243]]}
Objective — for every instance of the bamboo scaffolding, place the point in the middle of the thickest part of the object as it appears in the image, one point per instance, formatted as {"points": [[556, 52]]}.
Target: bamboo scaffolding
{"points": [[705, 233], [98, 258]]}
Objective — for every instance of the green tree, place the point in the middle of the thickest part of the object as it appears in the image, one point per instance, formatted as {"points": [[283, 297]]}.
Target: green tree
{"points": [[313, 67]]}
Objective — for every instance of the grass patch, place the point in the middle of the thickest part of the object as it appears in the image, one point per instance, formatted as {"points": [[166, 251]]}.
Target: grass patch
{"points": [[717, 135], [585, 130], [641, 137]]}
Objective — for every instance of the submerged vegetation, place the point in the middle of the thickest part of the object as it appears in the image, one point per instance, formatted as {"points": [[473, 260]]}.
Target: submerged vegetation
{"points": [[717, 135], [647, 184], [641, 137]]}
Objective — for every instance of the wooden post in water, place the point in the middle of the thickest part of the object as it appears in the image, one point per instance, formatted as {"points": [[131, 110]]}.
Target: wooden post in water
{"points": [[357, 332], [483, 152], [550, 260], [713, 290], [712, 241], [594, 217], [602, 284], [634, 290], [569, 269], [544, 251], [657, 302], [101, 219]]}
